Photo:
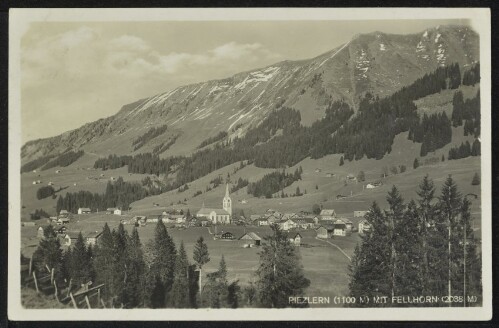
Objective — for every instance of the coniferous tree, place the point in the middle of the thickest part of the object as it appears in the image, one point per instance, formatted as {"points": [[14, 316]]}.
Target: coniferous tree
{"points": [[341, 161], [49, 252], [201, 257], [135, 269], [476, 180], [415, 164], [120, 269], [103, 262], [162, 264], [80, 263], [217, 287], [395, 218], [280, 274], [180, 288]]}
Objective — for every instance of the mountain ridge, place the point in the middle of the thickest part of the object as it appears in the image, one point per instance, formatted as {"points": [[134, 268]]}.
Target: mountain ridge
{"points": [[375, 62]]}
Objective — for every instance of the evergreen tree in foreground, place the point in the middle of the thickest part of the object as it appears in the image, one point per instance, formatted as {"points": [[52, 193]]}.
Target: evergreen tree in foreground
{"points": [[180, 288], [103, 262], [80, 263], [49, 251], [135, 269], [280, 273], [201, 257]]}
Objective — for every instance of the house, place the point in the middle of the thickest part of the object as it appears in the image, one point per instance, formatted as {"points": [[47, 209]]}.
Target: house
{"points": [[91, 238], [62, 230], [324, 231], [244, 201], [253, 237], [140, 219], [305, 223], [340, 228], [53, 219], [348, 224], [288, 224], [329, 175], [295, 239], [254, 217], [262, 222], [364, 226], [351, 177], [373, 185], [271, 219], [63, 214], [227, 235], [359, 214], [317, 170], [62, 221], [328, 214], [204, 222], [117, 211], [340, 197], [50, 183], [40, 233], [110, 210], [84, 210], [70, 238]]}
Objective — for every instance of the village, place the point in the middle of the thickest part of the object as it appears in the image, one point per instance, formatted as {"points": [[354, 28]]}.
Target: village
{"points": [[221, 223]]}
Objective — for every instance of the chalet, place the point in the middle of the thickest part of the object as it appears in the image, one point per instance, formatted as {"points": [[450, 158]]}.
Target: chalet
{"points": [[373, 185], [359, 214], [62, 230], [227, 235], [84, 210], [62, 221], [271, 219], [254, 217], [324, 231], [118, 211], [329, 175], [70, 238], [253, 237], [262, 222], [340, 197], [340, 228], [351, 177], [110, 210], [40, 233], [91, 238], [364, 226], [348, 224], [295, 239], [288, 224], [328, 214], [63, 213]]}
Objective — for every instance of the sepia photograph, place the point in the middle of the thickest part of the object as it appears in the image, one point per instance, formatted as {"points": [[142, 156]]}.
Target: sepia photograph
{"points": [[256, 164]]}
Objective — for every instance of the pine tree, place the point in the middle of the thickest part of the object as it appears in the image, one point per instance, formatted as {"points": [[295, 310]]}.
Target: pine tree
{"points": [[476, 180], [49, 252], [103, 262], [415, 165], [120, 270], [370, 270], [135, 269], [280, 274], [162, 264], [217, 287], [201, 257], [395, 218], [180, 288], [342, 161], [80, 263]]}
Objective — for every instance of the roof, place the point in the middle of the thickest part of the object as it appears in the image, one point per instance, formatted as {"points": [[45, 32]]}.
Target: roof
{"points": [[72, 235], [84, 209], [208, 211], [328, 228], [63, 211], [95, 234], [252, 235], [64, 219], [254, 217], [296, 235], [340, 226], [111, 209], [328, 212]]}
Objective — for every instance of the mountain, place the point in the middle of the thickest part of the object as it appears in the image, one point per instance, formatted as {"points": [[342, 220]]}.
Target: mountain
{"points": [[377, 63]]}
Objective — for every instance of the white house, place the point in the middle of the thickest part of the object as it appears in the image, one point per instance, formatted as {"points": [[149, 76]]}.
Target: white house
{"points": [[84, 210], [340, 228], [328, 214], [117, 211], [288, 225]]}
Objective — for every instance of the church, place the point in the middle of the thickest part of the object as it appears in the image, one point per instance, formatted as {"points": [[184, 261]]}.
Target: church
{"points": [[219, 215]]}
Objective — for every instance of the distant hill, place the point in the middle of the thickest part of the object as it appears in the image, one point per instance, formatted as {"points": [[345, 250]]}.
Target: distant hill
{"points": [[375, 63]]}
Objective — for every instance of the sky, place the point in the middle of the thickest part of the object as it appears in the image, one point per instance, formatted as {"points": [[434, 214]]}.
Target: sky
{"points": [[78, 72]]}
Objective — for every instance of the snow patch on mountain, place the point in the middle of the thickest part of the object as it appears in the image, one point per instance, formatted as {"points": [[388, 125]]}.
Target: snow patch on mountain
{"points": [[257, 77], [382, 47]]}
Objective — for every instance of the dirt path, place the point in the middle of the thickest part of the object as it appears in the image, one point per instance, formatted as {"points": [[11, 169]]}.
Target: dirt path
{"points": [[338, 247]]}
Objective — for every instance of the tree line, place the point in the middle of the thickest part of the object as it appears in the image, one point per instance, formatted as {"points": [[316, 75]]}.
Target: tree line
{"points": [[273, 182], [433, 132], [423, 247], [465, 150], [64, 159], [467, 111], [220, 136], [44, 192], [159, 274], [36, 163], [118, 194], [152, 133]]}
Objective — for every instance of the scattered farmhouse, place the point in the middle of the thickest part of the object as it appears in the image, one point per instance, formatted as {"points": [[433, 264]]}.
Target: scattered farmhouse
{"points": [[84, 210], [110, 210], [227, 235], [62, 230], [373, 185], [288, 224], [253, 237], [364, 226], [262, 222], [91, 239], [328, 214], [217, 215], [39, 233], [340, 228], [63, 220], [117, 212], [295, 239], [305, 223], [63, 214], [70, 238]]}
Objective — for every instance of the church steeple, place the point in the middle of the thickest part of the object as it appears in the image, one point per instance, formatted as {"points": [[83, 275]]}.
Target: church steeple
{"points": [[227, 202]]}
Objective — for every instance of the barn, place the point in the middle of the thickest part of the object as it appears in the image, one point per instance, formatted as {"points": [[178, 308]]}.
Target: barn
{"points": [[252, 236], [295, 239], [324, 231], [84, 210]]}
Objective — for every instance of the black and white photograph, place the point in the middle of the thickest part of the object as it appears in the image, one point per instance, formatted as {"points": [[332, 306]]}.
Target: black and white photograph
{"points": [[256, 164]]}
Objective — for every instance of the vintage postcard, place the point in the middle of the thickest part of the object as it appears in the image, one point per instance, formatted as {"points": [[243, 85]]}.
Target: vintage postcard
{"points": [[250, 164]]}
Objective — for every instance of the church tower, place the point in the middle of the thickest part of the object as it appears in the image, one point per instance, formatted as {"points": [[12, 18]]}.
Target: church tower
{"points": [[227, 203]]}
